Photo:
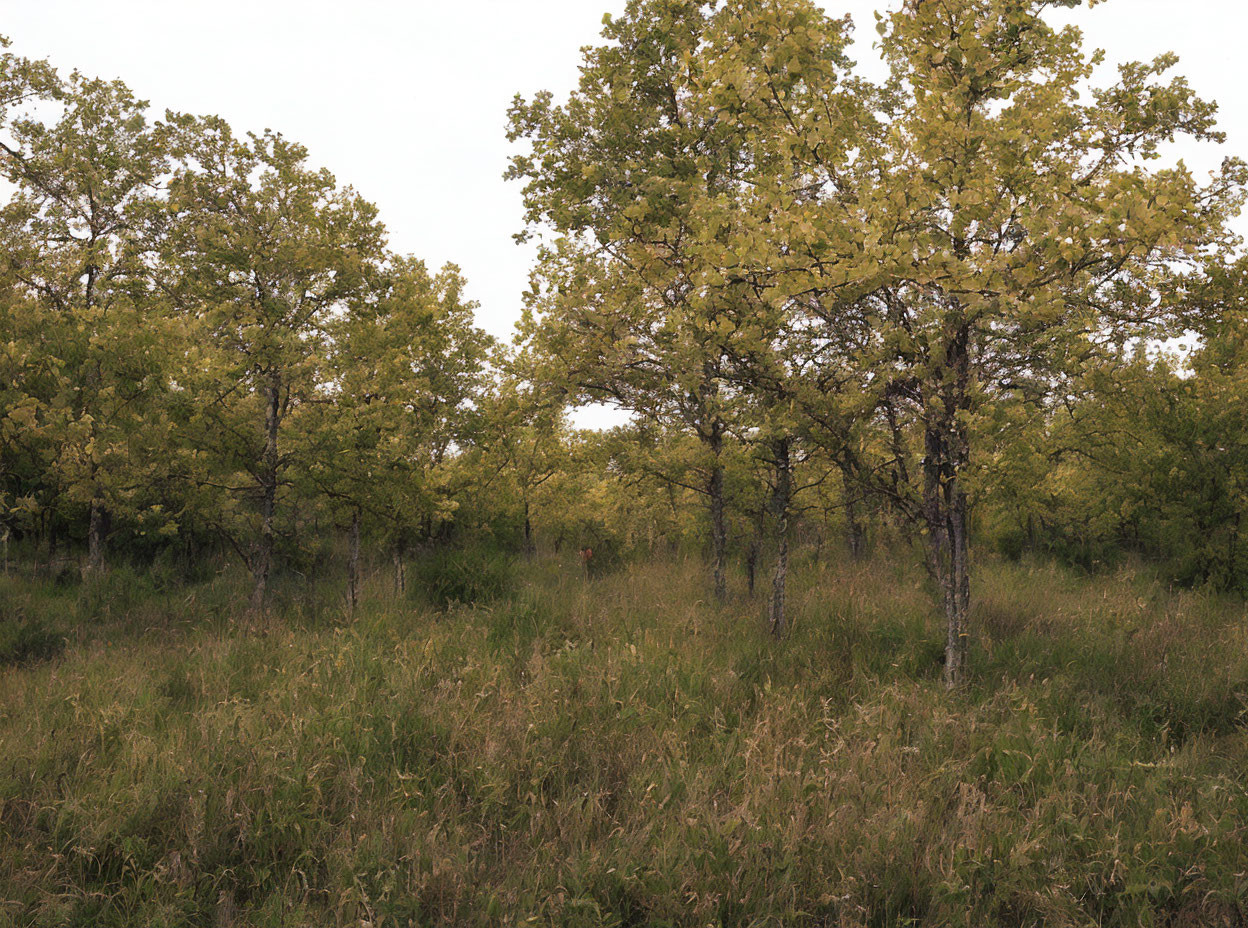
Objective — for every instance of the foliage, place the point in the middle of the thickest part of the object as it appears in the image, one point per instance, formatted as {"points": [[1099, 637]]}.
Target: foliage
{"points": [[468, 574], [882, 268]]}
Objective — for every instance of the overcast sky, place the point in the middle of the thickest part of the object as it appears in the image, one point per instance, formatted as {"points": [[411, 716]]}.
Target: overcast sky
{"points": [[406, 100]]}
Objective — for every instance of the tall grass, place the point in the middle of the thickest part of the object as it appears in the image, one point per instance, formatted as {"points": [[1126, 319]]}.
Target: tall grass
{"points": [[618, 751]]}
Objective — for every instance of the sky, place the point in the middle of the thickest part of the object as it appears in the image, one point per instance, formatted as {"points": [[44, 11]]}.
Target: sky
{"points": [[406, 100]]}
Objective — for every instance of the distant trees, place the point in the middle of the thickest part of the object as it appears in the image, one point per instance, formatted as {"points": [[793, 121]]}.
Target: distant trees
{"points": [[203, 333], [406, 376], [92, 360], [1148, 456]]}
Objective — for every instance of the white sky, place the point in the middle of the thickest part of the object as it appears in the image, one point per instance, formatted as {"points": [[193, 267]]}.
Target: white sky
{"points": [[407, 101]]}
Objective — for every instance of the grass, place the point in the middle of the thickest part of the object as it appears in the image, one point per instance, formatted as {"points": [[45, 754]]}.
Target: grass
{"points": [[618, 752]]}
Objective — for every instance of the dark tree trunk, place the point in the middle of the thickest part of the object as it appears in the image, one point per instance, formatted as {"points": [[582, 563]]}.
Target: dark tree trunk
{"points": [[400, 571], [945, 510], [719, 532], [529, 547], [855, 531], [96, 528], [262, 561], [755, 551], [781, 500], [51, 544], [353, 564], [189, 558]]}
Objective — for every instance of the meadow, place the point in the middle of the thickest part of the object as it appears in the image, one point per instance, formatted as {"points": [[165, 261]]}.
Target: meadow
{"points": [[515, 743]]}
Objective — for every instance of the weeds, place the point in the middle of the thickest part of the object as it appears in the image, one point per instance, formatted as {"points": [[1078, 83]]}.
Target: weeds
{"points": [[618, 752]]}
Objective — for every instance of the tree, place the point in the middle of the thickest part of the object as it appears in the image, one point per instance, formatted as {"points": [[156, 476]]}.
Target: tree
{"points": [[1002, 226], [662, 297], [261, 253], [406, 375], [97, 344], [618, 172]]}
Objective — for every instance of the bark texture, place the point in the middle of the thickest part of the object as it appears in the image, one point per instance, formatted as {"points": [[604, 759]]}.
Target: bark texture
{"points": [[781, 500], [95, 539], [262, 559], [719, 531], [353, 564], [945, 505]]}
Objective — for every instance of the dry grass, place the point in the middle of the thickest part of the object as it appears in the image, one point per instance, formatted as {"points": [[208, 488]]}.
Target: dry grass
{"points": [[619, 752]]}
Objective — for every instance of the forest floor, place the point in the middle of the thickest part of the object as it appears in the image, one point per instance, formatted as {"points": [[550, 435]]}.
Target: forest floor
{"points": [[617, 751]]}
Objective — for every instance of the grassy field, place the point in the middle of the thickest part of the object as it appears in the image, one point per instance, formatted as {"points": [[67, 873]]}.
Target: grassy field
{"points": [[617, 752]]}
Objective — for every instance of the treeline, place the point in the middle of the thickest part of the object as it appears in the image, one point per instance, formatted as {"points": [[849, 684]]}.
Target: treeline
{"points": [[927, 309], [207, 342]]}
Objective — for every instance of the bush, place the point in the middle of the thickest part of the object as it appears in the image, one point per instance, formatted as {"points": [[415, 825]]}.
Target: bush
{"points": [[113, 595], [466, 575], [27, 641]]}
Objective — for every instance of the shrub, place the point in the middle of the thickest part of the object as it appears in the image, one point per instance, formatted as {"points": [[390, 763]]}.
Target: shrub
{"points": [[27, 641], [113, 595], [466, 575]]}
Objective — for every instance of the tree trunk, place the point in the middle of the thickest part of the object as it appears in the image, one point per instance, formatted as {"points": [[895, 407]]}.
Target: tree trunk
{"points": [[400, 572], [945, 510], [529, 547], [187, 531], [948, 556], [754, 552], [780, 504], [262, 561], [855, 532], [51, 545], [719, 532], [95, 540], [353, 564], [958, 638]]}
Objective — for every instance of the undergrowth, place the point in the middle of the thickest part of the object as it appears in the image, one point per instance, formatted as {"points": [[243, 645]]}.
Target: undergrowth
{"points": [[526, 746]]}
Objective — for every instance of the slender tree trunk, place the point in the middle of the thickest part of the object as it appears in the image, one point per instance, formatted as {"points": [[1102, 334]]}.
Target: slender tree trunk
{"points": [[262, 562], [945, 511], [95, 540], [958, 638], [1232, 552], [754, 553], [949, 560], [52, 544], [400, 571], [855, 532], [673, 542], [353, 564], [189, 558], [95, 520], [780, 505], [529, 547], [719, 531]]}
